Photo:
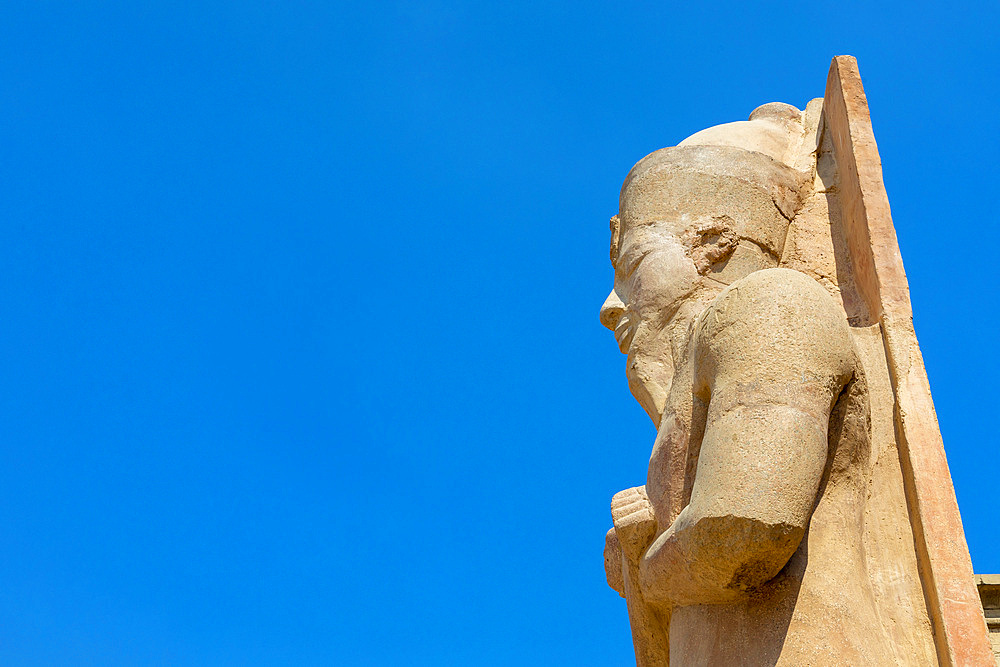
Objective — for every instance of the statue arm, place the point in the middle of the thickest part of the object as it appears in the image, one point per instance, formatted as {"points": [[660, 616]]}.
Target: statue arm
{"points": [[774, 353]]}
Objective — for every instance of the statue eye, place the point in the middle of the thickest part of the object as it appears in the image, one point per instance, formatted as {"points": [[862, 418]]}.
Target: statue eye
{"points": [[628, 263]]}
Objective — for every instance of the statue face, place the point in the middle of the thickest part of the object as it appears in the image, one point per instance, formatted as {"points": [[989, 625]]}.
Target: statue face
{"points": [[654, 276], [691, 221]]}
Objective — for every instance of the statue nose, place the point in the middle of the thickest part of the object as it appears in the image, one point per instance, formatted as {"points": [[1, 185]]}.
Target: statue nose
{"points": [[612, 311]]}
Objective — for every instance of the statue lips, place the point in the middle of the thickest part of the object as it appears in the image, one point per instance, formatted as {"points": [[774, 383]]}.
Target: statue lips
{"points": [[624, 333]]}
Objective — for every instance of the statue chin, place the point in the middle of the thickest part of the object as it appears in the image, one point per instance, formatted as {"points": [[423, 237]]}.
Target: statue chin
{"points": [[649, 379]]}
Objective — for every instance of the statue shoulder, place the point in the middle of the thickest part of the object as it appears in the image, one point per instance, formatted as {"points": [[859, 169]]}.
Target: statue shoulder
{"points": [[775, 321]]}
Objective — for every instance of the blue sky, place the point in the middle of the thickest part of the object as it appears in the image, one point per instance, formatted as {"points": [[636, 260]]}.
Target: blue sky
{"points": [[300, 303]]}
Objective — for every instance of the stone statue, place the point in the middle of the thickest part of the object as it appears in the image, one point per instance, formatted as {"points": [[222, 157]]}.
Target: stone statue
{"points": [[773, 528]]}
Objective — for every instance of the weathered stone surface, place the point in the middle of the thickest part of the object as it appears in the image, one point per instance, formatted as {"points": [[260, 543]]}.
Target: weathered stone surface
{"points": [[756, 295], [937, 526]]}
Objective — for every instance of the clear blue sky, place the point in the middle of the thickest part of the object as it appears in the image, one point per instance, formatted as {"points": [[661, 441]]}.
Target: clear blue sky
{"points": [[301, 354]]}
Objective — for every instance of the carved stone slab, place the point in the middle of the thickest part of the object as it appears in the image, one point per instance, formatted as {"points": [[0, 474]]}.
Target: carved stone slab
{"points": [[946, 568]]}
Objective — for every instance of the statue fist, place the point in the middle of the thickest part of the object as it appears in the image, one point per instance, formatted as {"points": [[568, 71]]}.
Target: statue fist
{"points": [[634, 522]]}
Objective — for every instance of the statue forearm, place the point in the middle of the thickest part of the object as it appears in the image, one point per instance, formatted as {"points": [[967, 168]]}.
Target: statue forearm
{"points": [[715, 559]]}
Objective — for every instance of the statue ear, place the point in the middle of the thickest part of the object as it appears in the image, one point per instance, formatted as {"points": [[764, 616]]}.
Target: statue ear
{"points": [[713, 242], [615, 236]]}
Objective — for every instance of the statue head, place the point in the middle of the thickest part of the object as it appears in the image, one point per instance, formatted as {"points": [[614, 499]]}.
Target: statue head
{"points": [[692, 219]]}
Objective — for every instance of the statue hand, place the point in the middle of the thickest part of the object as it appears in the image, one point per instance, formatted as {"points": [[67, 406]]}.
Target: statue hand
{"points": [[635, 524]]}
